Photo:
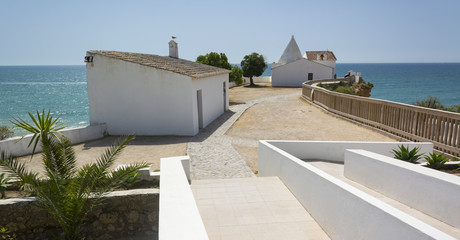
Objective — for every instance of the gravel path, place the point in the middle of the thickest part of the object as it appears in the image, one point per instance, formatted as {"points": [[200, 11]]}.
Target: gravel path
{"points": [[211, 152]]}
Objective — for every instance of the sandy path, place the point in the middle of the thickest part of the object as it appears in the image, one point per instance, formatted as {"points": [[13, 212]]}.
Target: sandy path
{"points": [[292, 119]]}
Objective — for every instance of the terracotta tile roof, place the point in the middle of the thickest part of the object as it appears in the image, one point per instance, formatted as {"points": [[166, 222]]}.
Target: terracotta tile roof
{"points": [[312, 55], [180, 66]]}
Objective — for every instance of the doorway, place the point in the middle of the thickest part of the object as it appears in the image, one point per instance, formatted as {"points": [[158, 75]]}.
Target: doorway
{"points": [[225, 96], [199, 103]]}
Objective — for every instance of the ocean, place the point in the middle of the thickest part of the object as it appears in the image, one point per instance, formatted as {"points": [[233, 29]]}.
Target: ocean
{"points": [[62, 89]]}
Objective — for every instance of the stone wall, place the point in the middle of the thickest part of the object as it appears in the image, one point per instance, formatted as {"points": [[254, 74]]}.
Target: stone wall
{"points": [[131, 214]]}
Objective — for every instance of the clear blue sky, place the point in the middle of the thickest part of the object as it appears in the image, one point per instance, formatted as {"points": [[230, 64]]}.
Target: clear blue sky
{"points": [[60, 32]]}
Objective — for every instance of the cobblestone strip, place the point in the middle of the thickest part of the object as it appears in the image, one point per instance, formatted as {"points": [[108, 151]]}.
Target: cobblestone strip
{"points": [[211, 152]]}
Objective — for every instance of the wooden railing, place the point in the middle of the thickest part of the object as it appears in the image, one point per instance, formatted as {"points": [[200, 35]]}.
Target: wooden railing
{"points": [[413, 123]]}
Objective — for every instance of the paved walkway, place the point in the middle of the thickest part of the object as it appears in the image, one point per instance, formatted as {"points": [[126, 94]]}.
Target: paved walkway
{"points": [[253, 208], [211, 153]]}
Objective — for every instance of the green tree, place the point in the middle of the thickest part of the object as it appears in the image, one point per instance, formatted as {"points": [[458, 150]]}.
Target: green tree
{"points": [[236, 75], [215, 59], [220, 60], [253, 65], [5, 132], [67, 193]]}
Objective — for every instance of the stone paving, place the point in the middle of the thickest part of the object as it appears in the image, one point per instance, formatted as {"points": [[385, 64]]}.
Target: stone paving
{"points": [[212, 155], [253, 208]]}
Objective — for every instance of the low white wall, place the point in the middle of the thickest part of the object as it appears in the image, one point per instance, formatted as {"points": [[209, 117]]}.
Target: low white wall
{"points": [[179, 216], [265, 79], [343, 211], [76, 135], [430, 191], [335, 150]]}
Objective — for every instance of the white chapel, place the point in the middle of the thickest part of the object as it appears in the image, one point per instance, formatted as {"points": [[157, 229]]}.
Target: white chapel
{"points": [[293, 69]]}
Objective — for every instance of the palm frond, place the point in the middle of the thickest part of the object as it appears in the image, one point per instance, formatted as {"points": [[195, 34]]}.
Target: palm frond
{"points": [[111, 153], [10, 162], [59, 157], [124, 175], [42, 126]]}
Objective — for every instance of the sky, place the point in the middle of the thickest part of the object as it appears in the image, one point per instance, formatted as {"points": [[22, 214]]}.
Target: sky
{"points": [[60, 32]]}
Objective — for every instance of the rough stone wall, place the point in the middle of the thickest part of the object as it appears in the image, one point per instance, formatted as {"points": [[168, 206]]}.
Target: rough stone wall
{"points": [[131, 214]]}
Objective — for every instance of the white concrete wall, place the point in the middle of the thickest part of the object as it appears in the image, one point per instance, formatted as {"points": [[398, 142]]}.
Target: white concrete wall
{"points": [[266, 79], [335, 150], [179, 216], [343, 211], [135, 99], [212, 98], [430, 191], [295, 73], [76, 135]]}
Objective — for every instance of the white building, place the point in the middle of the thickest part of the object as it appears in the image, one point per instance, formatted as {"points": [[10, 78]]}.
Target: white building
{"points": [[145, 94], [293, 69]]}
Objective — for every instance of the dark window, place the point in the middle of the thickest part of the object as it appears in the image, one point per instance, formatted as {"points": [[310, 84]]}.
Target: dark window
{"points": [[310, 76], [321, 58]]}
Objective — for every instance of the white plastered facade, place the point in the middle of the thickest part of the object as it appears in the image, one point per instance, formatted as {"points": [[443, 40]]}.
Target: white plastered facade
{"points": [[131, 98], [293, 69]]}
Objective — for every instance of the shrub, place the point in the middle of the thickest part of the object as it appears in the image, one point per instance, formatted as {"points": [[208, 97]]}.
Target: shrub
{"points": [[403, 153], [236, 75], [436, 161], [454, 108], [5, 132], [345, 89], [431, 102]]}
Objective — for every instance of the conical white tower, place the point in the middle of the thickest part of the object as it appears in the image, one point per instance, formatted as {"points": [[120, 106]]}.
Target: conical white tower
{"points": [[291, 53]]}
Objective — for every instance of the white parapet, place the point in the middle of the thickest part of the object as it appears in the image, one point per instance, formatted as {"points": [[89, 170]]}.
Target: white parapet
{"points": [[342, 210], [430, 191], [335, 150], [179, 216], [76, 135]]}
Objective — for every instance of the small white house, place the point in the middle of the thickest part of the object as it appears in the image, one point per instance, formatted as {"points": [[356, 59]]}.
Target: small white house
{"points": [[293, 69], [145, 94]]}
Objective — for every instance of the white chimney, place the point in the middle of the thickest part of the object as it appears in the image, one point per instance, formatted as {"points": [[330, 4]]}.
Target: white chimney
{"points": [[173, 51]]}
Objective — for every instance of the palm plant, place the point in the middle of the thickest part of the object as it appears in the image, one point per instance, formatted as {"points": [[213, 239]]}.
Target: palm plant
{"points": [[67, 193], [403, 153], [4, 183], [436, 161], [42, 126]]}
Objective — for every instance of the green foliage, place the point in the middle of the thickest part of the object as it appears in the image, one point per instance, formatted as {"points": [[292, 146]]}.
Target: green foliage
{"points": [[361, 88], [4, 183], [436, 161], [69, 194], [431, 102], [253, 65], [215, 59], [345, 89], [5, 132], [403, 153], [435, 103], [454, 108], [5, 234], [236, 75], [42, 127]]}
